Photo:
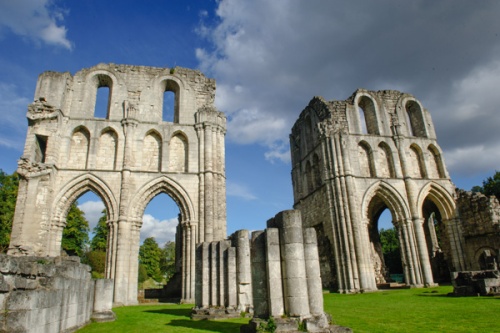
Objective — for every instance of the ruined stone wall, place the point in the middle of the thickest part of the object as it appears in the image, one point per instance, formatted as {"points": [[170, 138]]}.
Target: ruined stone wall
{"points": [[480, 223], [40, 294], [126, 156], [353, 159]]}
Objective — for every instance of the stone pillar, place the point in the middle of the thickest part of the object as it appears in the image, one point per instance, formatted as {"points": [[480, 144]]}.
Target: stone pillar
{"points": [[232, 291], [123, 256], [423, 253], [214, 263], [314, 288], [259, 275], [294, 271], [244, 274], [209, 214], [103, 301], [274, 278]]}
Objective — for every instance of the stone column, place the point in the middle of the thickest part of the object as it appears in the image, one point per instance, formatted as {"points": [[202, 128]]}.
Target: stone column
{"points": [[241, 242], [208, 191], [103, 301], [123, 256], [259, 275], [232, 292], [214, 263], [313, 273], [294, 270], [221, 271], [134, 240], [423, 253], [273, 266]]}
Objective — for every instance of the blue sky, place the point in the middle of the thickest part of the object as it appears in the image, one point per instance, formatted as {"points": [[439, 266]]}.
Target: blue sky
{"points": [[269, 59]]}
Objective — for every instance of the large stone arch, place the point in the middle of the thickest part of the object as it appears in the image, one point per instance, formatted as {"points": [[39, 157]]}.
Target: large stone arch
{"points": [[159, 185], [67, 195], [391, 197], [440, 196]]}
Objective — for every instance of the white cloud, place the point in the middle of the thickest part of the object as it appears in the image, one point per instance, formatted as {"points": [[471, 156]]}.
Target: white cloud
{"points": [[239, 191], [270, 58], [92, 211], [163, 231], [36, 20]]}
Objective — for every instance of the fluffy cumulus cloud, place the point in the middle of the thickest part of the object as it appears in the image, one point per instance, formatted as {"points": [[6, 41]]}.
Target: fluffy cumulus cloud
{"points": [[163, 231], [38, 20], [93, 212], [271, 57]]}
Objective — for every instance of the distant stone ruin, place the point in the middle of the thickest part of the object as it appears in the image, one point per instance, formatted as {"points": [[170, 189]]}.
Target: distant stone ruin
{"points": [[378, 150]]}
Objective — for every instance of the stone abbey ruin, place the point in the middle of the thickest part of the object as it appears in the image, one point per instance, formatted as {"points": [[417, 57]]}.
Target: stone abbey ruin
{"points": [[351, 160]]}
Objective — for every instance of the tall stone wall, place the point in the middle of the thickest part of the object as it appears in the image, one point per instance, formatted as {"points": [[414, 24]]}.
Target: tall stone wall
{"points": [[353, 159], [133, 151], [40, 294]]}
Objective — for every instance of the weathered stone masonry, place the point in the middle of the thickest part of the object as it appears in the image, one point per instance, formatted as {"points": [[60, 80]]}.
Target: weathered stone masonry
{"points": [[353, 159], [126, 158]]}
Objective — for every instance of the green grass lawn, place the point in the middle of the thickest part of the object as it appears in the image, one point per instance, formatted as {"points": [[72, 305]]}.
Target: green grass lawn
{"points": [[407, 310]]}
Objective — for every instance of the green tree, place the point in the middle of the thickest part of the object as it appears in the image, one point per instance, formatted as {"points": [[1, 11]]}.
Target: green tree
{"points": [[76, 233], [149, 256], [167, 261], [9, 185], [100, 239], [491, 186], [390, 248]]}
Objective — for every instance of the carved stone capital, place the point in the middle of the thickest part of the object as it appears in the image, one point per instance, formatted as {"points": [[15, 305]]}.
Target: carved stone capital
{"points": [[27, 169]]}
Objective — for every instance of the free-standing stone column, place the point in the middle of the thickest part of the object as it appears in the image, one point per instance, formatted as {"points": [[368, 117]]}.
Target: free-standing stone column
{"points": [[259, 275], [274, 278], [241, 241], [311, 256], [292, 253], [232, 293]]}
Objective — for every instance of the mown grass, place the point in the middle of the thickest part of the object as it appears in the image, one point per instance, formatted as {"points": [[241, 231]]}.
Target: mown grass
{"points": [[407, 310]]}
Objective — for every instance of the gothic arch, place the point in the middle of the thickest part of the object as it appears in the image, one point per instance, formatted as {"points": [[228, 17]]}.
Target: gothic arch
{"points": [[108, 149], [413, 114], [366, 165], [365, 104], [178, 152], [440, 197], [79, 148], [162, 185], [152, 151], [390, 196], [102, 78], [76, 187], [436, 162], [416, 156], [386, 162]]}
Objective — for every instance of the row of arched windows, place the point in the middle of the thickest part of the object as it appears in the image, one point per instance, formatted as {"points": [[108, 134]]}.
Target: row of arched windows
{"points": [[107, 149], [104, 92], [380, 162], [370, 122]]}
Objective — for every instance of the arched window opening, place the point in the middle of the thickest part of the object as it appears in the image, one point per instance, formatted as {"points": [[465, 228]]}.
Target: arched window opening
{"points": [[170, 103], [108, 143], [178, 154], [151, 152], [101, 109], [308, 133], [168, 106], [367, 116], [385, 166], [436, 169], [415, 119], [160, 237], [362, 121], [415, 162], [104, 87], [86, 232], [365, 161], [79, 148], [434, 234], [385, 244], [40, 148]]}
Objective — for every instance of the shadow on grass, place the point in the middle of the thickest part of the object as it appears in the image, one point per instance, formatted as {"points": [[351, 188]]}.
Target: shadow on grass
{"points": [[172, 312], [207, 325]]}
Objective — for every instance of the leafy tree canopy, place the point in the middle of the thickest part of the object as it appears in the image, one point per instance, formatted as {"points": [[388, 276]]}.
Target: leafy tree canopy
{"points": [[150, 256], [75, 234], [9, 185], [491, 186], [167, 262], [100, 239]]}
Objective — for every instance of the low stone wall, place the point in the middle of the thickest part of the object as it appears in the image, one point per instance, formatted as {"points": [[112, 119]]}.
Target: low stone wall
{"points": [[42, 294]]}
